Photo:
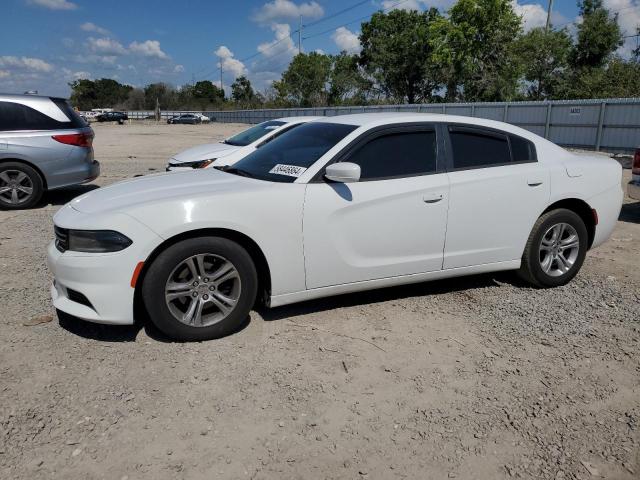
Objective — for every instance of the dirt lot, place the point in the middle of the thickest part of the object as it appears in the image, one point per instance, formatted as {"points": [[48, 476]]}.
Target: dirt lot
{"points": [[479, 377]]}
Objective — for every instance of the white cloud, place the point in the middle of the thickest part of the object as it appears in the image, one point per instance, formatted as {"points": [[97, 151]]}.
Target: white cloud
{"points": [[416, 4], [105, 46], [92, 27], [26, 63], [4, 74], [535, 15], [229, 63], [149, 48], [628, 19], [82, 75], [346, 40], [54, 4], [178, 69], [278, 10], [282, 44]]}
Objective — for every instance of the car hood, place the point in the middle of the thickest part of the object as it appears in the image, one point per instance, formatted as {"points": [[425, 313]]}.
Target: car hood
{"points": [[204, 152], [162, 187]]}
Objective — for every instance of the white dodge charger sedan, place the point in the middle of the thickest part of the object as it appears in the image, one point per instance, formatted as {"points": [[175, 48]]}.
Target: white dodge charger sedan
{"points": [[233, 149], [333, 206]]}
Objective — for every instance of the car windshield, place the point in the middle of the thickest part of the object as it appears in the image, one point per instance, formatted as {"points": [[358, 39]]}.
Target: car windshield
{"points": [[254, 133], [288, 156]]}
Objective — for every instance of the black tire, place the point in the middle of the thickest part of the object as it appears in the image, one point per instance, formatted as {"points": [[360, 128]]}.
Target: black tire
{"points": [[33, 179], [531, 269], [160, 271]]}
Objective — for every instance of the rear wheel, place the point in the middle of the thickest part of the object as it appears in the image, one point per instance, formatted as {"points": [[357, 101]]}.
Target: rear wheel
{"points": [[555, 250], [200, 289], [20, 186]]}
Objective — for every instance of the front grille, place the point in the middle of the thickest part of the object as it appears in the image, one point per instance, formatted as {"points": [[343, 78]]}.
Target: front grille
{"points": [[62, 238]]}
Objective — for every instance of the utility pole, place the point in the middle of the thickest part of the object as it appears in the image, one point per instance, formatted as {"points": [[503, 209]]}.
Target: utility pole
{"points": [[549, 9], [300, 36]]}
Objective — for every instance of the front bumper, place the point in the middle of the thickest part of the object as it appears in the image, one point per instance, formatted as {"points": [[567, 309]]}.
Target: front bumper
{"points": [[633, 189], [97, 286]]}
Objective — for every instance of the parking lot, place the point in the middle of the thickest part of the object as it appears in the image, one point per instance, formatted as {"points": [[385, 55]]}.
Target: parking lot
{"points": [[477, 377]]}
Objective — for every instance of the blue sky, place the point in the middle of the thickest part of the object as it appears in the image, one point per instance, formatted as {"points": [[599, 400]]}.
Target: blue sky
{"points": [[46, 43]]}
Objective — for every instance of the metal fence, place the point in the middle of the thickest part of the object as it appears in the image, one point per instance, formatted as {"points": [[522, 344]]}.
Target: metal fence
{"points": [[608, 124]]}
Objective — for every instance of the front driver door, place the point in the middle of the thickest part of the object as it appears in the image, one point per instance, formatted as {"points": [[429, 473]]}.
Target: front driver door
{"points": [[390, 223]]}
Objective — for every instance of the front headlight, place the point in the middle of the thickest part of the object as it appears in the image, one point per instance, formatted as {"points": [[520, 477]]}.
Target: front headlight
{"points": [[97, 241]]}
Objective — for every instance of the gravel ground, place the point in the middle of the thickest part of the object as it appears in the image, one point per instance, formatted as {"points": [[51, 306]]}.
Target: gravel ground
{"points": [[478, 377]]}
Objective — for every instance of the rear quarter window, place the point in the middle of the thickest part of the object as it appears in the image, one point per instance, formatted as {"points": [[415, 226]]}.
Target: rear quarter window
{"points": [[17, 117]]}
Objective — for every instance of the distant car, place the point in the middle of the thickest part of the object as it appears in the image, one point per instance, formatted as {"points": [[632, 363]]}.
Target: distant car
{"points": [[233, 149], [119, 117], [186, 118], [337, 205], [633, 188], [204, 118], [44, 145]]}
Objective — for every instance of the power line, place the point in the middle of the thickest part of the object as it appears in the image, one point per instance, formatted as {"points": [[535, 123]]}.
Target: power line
{"points": [[334, 15], [356, 20]]}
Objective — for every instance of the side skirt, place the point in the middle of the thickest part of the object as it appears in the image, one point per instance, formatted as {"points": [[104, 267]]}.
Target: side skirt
{"points": [[287, 298]]}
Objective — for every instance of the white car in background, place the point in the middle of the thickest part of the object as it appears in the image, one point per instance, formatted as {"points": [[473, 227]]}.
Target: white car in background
{"points": [[333, 206], [234, 148], [203, 118]]}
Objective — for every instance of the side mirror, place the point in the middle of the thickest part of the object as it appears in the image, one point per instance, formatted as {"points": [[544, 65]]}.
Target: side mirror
{"points": [[343, 172]]}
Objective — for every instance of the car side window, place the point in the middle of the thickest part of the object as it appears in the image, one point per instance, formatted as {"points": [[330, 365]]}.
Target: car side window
{"points": [[475, 148], [15, 117], [522, 150], [393, 155]]}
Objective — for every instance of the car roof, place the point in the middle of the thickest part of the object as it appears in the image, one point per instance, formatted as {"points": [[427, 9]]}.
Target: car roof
{"points": [[386, 118], [301, 119]]}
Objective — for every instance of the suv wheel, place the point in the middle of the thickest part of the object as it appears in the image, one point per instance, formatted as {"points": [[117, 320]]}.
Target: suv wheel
{"points": [[200, 289], [555, 250], [20, 186]]}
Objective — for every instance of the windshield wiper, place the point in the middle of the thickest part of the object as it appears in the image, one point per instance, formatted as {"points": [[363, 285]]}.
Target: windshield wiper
{"points": [[234, 171]]}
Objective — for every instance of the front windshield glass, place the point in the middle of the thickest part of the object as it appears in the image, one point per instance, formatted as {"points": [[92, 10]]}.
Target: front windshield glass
{"points": [[254, 133], [288, 156]]}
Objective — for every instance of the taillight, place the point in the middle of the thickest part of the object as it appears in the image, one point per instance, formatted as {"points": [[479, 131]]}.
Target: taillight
{"points": [[635, 168], [75, 139]]}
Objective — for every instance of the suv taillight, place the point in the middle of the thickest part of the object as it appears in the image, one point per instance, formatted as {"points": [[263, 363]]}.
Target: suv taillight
{"points": [[75, 139], [635, 168]]}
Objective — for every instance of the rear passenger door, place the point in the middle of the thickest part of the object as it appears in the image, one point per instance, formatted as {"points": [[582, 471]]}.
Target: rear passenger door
{"points": [[390, 223], [497, 191]]}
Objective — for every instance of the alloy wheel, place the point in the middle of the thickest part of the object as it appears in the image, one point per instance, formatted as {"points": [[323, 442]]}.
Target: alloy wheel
{"points": [[15, 187], [203, 290], [559, 249]]}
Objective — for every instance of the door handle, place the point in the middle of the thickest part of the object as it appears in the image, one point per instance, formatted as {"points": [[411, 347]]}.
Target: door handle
{"points": [[432, 198], [534, 183]]}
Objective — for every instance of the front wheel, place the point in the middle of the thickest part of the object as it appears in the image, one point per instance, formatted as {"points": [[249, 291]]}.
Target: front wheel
{"points": [[20, 186], [200, 289], [555, 250]]}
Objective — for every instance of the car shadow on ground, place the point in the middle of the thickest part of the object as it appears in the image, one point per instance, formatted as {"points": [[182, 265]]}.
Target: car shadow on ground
{"points": [[131, 333], [630, 213], [400, 292], [121, 333], [65, 195]]}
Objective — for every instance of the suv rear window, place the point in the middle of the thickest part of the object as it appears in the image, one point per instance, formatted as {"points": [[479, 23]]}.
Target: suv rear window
{"points": [[16, 117]]}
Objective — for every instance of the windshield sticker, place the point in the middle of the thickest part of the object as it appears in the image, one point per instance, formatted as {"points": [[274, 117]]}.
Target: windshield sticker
{"points": [[288, 170]]}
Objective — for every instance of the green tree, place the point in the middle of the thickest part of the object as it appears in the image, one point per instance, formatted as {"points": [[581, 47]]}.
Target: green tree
{"points": [[163, 92], [598, 36], [473, 48], [242, 92], [396, 52], [207, 93], [544, 56], [347, 84], [102, 93], [304, 83], [619, 78]]}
